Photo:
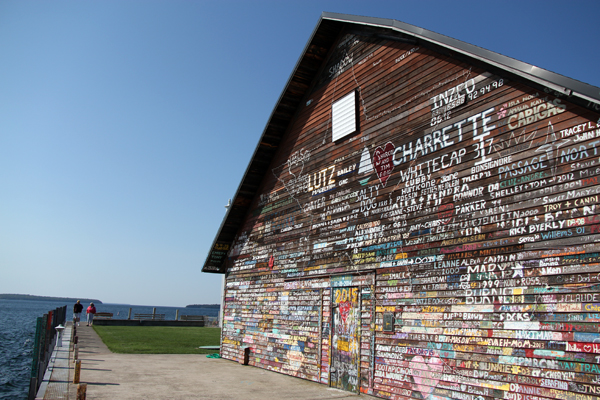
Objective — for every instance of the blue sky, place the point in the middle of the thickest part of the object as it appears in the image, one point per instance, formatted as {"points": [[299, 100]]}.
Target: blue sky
{"points": [[125, 126]]}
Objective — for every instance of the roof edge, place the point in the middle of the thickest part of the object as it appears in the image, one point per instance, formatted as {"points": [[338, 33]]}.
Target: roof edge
{"points": [[552, 80], [256, 149]]}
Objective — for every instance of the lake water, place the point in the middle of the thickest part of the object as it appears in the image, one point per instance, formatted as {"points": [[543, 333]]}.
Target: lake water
{"points": [[17, 333]]}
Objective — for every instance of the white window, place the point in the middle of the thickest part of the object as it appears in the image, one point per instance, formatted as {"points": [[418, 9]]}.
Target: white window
{"points": [[344, 116]]}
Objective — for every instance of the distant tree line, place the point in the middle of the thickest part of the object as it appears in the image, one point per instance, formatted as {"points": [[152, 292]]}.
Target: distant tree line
{"points": [[47, 298], [203, 306]]}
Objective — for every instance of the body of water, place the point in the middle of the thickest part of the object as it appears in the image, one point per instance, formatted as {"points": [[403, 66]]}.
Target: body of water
{"points": [[17, 334]]}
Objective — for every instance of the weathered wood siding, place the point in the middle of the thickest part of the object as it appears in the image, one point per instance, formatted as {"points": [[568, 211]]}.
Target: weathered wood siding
{"points": [[466, 206]]}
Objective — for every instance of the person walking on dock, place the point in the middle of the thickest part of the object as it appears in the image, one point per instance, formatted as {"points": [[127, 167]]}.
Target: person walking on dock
{"points": [[77, 308], [91, 310]]}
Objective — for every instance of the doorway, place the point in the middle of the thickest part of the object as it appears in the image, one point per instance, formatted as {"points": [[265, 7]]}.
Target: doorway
{"points": [[345, 342]]}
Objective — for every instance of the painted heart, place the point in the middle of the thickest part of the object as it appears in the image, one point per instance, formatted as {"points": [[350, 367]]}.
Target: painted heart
{"points": [[425, 373], [296, 162], [345, 310], [445, 212], [383, 161], [587, 348]]}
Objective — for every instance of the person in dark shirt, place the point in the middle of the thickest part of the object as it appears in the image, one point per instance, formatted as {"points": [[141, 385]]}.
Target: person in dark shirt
{"points": [[77, 308]]}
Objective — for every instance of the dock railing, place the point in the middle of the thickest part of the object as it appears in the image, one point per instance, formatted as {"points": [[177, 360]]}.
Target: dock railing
{"points": [[45, 340]]}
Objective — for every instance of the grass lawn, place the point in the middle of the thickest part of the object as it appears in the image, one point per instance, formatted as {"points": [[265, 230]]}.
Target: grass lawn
{"points": [[159, 339]]}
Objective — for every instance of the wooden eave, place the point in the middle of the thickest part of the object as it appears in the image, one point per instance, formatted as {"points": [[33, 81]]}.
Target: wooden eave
{"points": [[298, 84], [328, 28]]}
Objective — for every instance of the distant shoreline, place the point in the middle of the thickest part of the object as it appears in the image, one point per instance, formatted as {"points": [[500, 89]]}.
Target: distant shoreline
{"points": [[11, 296], [203, 306], [47, 298]]}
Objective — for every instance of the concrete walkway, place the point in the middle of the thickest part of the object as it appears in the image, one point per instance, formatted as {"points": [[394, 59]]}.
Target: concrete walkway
{"points": [[173, 376]]}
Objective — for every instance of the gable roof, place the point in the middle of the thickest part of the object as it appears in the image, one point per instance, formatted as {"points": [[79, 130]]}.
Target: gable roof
{"points": [[315, 53]]}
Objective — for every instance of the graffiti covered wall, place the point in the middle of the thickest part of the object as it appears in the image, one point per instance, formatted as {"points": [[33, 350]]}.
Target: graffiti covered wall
{"points": [[464, 210]]}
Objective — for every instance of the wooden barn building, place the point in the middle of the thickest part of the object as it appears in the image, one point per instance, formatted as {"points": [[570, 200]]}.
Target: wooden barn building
{"points": [[419, 220]]}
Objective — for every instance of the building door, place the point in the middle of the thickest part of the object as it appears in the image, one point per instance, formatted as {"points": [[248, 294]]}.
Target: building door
{"points": [[345, 345]]}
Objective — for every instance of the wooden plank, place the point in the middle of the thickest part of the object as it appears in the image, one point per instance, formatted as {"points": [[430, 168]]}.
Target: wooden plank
{"points": [[193, 318], [149, 316]]}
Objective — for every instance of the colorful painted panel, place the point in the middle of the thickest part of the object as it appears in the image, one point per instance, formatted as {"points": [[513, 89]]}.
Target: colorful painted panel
{"points": [[281, 329], [325, 336], [345, 342]]}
